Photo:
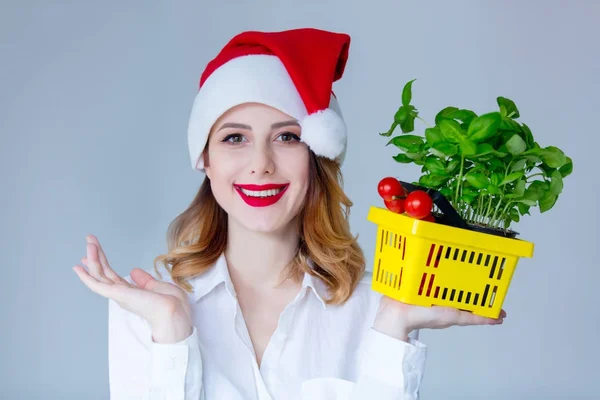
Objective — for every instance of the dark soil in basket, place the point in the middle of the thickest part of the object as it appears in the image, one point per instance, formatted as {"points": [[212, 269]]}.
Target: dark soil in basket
{"points": [[480, 228], [493, 231]]}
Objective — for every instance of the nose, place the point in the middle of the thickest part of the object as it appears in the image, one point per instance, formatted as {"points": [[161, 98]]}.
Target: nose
{"points": [[262, 161]]}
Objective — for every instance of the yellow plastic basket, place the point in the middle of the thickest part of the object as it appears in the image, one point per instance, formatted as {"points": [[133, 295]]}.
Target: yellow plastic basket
{"points": [[424, 263]]}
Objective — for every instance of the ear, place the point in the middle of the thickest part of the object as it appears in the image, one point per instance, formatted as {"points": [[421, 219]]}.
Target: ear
{"points": [[206, 163]]}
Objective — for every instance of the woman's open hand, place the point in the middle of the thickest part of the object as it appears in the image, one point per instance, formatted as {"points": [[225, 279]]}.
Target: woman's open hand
{"points": [[164, 305], [398, 319]]}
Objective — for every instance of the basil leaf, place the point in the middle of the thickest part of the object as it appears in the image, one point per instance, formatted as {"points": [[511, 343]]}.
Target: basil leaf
{"points": [[484, 126], [406, 141], [478, 180], [451, 131], [402, 158], [516, 145], [509, 107], [433, 135], [512, 177], [407, 93], [444, 113]]}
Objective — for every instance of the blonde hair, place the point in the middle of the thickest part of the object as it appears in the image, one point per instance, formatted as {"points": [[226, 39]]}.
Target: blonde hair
{"points": [[198, 236]]}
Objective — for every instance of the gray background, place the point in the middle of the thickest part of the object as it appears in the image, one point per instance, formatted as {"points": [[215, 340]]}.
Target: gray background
{"points": [[94, 103]]}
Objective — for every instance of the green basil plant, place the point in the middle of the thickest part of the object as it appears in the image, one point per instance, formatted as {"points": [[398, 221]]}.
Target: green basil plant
{"points": [[488, 166]]}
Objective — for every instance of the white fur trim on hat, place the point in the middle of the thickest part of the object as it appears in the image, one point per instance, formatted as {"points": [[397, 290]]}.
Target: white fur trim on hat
{"points": [[261, 79], [335, 106], [324, 132]]}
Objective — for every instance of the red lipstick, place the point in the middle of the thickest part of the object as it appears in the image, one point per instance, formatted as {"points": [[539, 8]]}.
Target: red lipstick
{"points": [[261, 201]]}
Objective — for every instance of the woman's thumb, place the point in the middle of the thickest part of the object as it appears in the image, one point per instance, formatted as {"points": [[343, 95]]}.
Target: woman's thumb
{"points": [[141, 278], [147, 282]]}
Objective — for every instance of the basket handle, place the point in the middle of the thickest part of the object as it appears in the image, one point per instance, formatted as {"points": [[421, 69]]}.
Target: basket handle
{"points": [[450, 214]]}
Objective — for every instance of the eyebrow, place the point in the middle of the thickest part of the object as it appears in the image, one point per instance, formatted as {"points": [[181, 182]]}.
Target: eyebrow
{"points": [[244, 126]]}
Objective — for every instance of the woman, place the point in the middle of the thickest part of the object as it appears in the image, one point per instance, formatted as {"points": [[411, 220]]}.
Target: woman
{"points": [[266, 295]]}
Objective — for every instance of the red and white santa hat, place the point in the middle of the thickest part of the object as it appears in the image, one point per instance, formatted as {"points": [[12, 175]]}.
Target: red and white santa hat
{"points": [[292, 71]]}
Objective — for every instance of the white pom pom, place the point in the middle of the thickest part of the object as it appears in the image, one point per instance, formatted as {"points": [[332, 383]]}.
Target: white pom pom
{"points": [[325, 133]]}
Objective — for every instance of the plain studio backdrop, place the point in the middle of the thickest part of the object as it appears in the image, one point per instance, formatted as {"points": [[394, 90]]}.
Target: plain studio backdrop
{"points": [[94, 105]]}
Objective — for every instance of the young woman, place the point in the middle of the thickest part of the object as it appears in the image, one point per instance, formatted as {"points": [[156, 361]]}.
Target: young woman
{"points": [[265, 294]]}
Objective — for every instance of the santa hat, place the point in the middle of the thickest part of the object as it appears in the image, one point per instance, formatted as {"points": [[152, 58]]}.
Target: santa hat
{"points": [[292, 71]]}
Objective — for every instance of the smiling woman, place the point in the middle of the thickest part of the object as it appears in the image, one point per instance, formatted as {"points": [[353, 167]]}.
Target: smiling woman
{"points": [[269, 185], [266, 295]]}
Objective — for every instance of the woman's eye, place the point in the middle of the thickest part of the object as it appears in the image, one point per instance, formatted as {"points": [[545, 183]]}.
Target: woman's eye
{"points": [[233, 138], [289, 137]]}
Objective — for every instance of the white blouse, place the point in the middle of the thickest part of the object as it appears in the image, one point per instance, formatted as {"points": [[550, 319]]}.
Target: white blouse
{"points": [[317, 351]]}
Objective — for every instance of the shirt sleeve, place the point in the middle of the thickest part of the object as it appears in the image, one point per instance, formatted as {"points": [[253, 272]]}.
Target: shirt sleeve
{"points": [[140, 368], [390, 369]]}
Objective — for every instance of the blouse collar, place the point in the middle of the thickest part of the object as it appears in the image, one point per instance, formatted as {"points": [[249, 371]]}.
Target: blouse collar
{"points": [[218, 273]]}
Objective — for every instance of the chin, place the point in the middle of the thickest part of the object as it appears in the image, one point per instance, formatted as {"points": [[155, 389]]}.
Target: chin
{"points": [[263, 220], [262, 225]]}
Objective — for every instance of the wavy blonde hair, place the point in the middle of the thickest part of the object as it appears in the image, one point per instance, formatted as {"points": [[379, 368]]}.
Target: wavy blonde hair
{"points": [[198, 236]]}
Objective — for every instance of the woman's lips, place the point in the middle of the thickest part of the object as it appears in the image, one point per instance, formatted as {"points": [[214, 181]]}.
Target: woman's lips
{"points": [[268, 186], [261, 201]]}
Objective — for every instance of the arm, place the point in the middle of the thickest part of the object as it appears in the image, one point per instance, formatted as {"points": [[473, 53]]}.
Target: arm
{"points": [[392, 364], [141, 368], [391, 369]]}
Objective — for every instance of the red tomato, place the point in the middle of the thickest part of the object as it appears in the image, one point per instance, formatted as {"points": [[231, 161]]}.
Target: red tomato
{"points": [[395, 205], [389, 187], [429, 218], [418, 204]]}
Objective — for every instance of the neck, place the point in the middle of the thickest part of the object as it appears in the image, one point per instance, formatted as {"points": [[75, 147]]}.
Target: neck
{"points": [[257, 259]]}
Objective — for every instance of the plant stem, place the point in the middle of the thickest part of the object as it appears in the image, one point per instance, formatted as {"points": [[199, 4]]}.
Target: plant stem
{"points": [[425, 122], [502, 215], [489, 208], [479, 208], [508, 168], [493, 221], [460, 176]]}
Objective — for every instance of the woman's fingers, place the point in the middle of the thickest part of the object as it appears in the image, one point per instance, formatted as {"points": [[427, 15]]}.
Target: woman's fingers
{"points": [[95, 269], [107, 270], [156, 302], [118, 280], [93, 283], [126, 295], [449, 316], [467, 318]]}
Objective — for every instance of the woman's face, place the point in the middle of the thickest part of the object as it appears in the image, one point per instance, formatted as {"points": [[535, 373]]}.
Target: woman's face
{"points": [[258, 168]]}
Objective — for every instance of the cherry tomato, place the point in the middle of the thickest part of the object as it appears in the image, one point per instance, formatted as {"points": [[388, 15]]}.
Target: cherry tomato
{"points": [[429, 218], [395, 205], [389, 187], [418, 204]]}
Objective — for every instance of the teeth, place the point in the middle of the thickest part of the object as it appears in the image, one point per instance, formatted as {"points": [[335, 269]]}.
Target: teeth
{"points": [[261, 193]]}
